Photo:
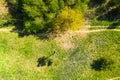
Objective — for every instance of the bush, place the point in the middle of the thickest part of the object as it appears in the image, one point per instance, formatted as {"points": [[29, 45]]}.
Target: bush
{"points": [[68, 18]]}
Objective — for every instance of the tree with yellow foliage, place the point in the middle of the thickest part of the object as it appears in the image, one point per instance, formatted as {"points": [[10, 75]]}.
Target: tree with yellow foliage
{"points": [[68, 19]]}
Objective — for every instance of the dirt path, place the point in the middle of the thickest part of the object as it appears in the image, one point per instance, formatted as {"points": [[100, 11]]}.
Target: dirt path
{"points": [[65, 40], [5, 29], [79, 31], [98, 30]]}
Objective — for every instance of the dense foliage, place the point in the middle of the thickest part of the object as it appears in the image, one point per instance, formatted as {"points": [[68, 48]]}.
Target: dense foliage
{"points": [[68, 18], [38, 15], [105, 10]]}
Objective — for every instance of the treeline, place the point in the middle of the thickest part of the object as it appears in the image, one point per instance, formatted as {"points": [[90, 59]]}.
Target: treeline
{"points": [[37, 15]]}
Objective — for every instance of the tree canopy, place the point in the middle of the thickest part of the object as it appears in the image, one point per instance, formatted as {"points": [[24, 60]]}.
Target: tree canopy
{"points": [[39, 14]]}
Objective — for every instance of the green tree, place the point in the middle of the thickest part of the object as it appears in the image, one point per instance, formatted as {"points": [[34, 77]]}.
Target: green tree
{"points": [[39, 14]]}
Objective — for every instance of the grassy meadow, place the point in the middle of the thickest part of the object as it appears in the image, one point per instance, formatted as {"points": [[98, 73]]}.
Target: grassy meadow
{"points": [[92, 53], [19, 56], [78, 66]]}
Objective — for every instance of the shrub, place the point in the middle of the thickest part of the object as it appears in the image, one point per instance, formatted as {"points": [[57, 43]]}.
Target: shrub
{"points": [[68, 18]]}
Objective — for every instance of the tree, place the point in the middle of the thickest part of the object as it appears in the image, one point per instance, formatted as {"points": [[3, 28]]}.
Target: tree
{"points": [[38, 15], [68, 18]]}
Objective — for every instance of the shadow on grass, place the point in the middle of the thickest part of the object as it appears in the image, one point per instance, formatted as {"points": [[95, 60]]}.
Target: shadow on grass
{"points": [[16, 13], [106, 10], [102, 64], [44, 61], [43, 35], [114, 25], [111, 16], [97, 64], [94, 3]]}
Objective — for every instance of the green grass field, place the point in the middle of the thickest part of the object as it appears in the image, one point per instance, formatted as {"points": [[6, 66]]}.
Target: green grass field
{"points": [[96, 45], [19, 56], [91, 54]]}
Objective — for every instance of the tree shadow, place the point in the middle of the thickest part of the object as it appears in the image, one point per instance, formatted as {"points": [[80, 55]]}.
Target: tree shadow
{"points": [[16, 13], [42, 35], [97, 64], [44, 61], [102, 64], [114, 25], [106, 11], [95, 3], [112, 15], [47, 35]]}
